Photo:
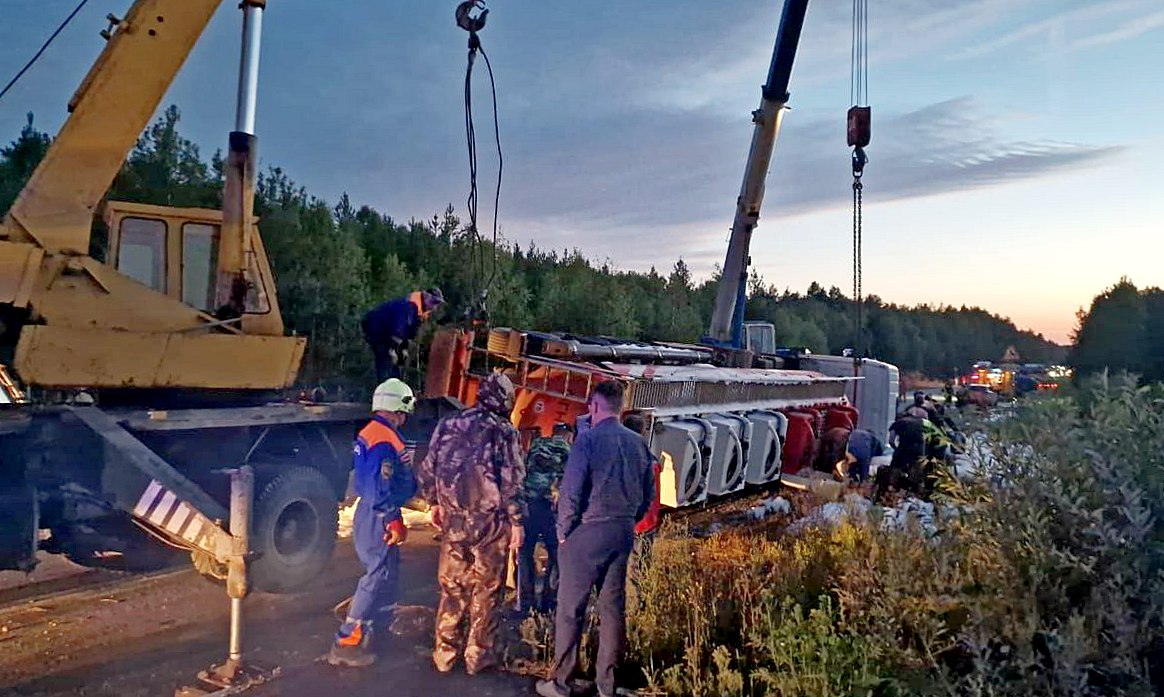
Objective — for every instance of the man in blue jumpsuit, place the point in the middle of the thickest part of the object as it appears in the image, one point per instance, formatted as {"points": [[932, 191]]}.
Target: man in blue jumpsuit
{"points": [[391, 327], [383, 481]]}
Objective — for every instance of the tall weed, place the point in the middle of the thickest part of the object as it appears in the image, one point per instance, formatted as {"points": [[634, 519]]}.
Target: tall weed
{"points": [[1049, 580]]}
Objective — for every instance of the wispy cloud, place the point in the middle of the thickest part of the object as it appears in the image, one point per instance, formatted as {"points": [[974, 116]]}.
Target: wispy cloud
{"points": [[727, 69], [948, 146], [1128, 30], [1093, 21], [669, 180], [730, 67]]}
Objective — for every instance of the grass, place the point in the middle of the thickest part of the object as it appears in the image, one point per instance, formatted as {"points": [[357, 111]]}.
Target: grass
{"points": [[1049, 580]]}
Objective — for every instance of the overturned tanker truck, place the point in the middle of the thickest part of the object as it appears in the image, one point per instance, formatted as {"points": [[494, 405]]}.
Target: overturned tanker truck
{"points": [[715, 429]]}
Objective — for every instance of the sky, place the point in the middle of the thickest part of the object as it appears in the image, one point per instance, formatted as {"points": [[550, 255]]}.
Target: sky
{"points": [[1014, 163]]}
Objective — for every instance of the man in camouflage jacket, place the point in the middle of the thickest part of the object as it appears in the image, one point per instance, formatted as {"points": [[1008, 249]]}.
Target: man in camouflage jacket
{"points": [[544, 466], [472, 477]]}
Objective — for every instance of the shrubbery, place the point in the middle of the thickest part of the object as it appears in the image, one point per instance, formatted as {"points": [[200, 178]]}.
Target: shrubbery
{"points": [[1049, 580]]}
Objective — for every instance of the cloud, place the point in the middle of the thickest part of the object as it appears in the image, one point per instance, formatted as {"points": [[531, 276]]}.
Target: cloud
{"points": [[1128, 30], [725, 73], [715, 77], [1087, 18], [670, 180], [948, 146]]}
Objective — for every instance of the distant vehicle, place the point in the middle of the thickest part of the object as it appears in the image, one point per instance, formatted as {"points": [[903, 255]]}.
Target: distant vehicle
{"points": [[981, 395]]}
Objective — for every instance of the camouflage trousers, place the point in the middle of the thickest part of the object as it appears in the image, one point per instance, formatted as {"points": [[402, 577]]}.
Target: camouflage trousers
{"points": [[471, 573]]}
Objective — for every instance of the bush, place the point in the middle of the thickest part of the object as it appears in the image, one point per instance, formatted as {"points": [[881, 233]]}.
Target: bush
{"points": [[1049, 580]]}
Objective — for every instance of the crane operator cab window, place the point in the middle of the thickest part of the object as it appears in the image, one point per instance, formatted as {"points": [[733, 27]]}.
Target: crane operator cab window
{"points": [[179, 257], [142, 252], [199, 262], [760, 337]]}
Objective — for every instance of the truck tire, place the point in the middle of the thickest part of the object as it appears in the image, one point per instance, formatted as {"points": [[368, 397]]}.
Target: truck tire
{"points": [[293, 532]]}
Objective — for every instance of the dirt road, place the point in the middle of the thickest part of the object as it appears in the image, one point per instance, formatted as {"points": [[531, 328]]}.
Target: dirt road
{"points": [[150, 635]]}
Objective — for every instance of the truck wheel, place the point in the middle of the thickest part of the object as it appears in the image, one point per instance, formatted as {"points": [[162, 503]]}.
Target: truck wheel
{"points": [[293, 531]]}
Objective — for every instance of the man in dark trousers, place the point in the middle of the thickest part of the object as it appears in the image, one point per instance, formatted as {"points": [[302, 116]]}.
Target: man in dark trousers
{"points": [[607, 488], [543, 472], [391, 327], [907, 436]]}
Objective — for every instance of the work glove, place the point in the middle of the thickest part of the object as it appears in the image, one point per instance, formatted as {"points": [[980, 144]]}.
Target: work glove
{"points": [[395, 533]]}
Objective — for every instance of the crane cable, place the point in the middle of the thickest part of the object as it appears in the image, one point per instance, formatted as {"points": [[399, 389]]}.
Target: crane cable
{"points": [[859, 131], [473, 25], [44, 47]]}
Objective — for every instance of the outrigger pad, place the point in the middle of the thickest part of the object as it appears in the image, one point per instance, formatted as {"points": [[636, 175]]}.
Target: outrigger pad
{"points": [[230, 678]]}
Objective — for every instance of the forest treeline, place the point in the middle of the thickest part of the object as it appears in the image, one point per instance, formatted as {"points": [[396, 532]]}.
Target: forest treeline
{"points": [[333, 261]]}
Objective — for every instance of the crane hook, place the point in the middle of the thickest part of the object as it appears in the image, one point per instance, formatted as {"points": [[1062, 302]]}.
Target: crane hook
{"points": [[467, 21]]}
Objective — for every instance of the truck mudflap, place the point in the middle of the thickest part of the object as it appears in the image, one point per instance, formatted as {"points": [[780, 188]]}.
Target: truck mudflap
{"points": [[147, 487], [18, 527], [19, 510]]}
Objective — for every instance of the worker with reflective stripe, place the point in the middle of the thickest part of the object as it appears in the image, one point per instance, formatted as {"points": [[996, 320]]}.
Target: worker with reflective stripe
{"points": [[383, 481], [391, 327]]}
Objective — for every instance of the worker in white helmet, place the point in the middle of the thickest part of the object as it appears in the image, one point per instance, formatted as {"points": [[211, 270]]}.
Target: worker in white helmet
{"points": [[383, 481]]}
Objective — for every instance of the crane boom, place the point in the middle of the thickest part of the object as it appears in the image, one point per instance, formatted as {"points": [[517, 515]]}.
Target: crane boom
{"points": [[727, 319], [183, 298], [110, 109]]}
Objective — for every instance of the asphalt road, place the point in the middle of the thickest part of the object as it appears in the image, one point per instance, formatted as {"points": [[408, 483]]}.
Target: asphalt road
{"points": [[151, 635]]}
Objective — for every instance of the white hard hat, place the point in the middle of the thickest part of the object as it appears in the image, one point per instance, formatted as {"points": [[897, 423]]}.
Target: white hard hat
{"points": [[393, 395]]}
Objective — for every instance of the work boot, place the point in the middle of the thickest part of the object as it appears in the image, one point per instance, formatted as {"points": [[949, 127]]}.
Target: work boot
{"points": [[353, 651], [550, 688]]}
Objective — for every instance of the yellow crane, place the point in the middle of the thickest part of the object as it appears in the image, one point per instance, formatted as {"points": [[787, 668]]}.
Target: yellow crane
{"points": [[186, 298], [134, 382]]}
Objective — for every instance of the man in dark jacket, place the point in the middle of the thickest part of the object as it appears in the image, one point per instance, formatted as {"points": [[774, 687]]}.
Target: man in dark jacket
{"points": [[391, 327], [907, 435], [607, 488]]}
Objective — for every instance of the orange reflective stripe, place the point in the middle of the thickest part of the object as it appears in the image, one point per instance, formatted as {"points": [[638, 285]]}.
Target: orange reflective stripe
{"points": [[418, 301], [376, 433], [352, 639]]}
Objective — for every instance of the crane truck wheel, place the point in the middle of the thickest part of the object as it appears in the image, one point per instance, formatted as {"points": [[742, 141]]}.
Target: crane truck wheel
{"points": [[293, 532]]}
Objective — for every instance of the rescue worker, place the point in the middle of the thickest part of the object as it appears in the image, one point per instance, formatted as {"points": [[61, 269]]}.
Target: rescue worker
{"points": [[833, 446], [918, 408], [383, 481], [607, 488], [862, 446], [472, 478], [544, 466], [390, 328], [907, 436]]}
